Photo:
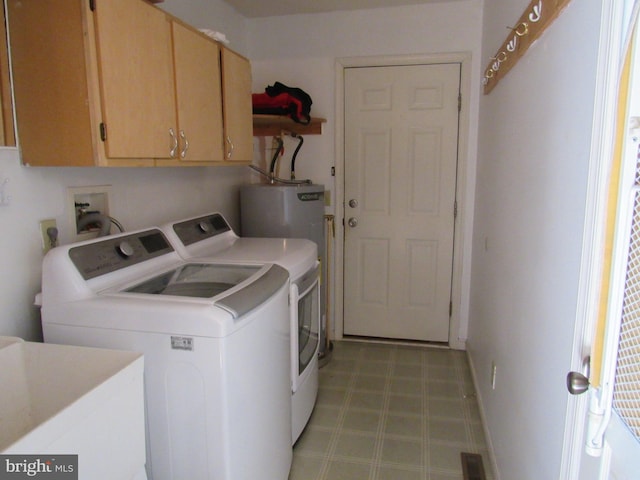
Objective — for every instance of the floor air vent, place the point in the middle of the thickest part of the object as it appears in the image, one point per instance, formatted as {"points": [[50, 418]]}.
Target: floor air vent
{"points": [[472, 467]]}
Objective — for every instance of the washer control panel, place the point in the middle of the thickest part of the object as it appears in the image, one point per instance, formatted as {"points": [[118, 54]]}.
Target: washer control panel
{"points": [[111, 254]]}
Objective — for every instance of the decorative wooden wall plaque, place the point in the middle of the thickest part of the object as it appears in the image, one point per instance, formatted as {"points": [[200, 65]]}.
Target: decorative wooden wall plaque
{"points": [[533, 22]]}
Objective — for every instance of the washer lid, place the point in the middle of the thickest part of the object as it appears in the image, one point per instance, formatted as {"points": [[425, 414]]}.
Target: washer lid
{"points": [[235, 288], [199, 280]]}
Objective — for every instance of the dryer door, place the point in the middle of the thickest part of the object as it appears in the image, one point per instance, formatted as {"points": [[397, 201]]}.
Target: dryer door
{"points": [[305, 320]]}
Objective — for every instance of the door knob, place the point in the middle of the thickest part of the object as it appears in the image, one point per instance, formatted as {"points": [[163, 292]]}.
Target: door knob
{"points": [[353, 222], [578, 383], [353, 203]]}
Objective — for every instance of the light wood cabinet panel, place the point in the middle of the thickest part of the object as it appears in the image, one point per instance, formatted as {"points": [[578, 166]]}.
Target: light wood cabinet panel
{"points": [[50, 82], [135, 64], [238, 120], [8, 137], [199, 99]]}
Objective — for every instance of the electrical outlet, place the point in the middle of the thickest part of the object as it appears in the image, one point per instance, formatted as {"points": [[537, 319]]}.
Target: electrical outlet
{"points": [[48, 235], [494, 369]]}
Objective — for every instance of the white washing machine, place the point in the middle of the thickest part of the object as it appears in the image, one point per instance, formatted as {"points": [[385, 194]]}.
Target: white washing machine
{"points": [[215, 340], [210, 237]]}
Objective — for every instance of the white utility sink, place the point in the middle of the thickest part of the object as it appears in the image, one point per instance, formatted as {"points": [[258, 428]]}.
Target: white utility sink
{"points": [[59, 399]]}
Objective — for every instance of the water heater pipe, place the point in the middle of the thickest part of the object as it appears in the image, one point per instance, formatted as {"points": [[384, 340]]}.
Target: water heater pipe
{"points": [[274, 179]]}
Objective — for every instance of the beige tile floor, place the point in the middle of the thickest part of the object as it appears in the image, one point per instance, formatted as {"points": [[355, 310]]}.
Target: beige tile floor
{"points": [[391, 412]]}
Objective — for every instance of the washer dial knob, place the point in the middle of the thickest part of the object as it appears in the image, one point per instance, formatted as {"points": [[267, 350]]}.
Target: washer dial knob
{"points": [[125, 249]]}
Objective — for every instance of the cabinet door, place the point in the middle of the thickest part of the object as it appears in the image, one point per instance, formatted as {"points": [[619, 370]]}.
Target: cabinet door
{"points": [[50, 82], [198, 90], [136, 79], [238, 120]]}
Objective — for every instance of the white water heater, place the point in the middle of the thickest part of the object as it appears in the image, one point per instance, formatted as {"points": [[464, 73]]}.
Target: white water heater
{"points": [[288, 211]]}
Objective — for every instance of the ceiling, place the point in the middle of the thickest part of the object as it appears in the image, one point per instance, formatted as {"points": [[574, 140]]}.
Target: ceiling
{"points": [[271, 8]]}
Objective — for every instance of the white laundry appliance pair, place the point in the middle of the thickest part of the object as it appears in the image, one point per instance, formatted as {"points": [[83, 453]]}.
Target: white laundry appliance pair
{"points": [[210, 237], [229, 329], [216, 338]]}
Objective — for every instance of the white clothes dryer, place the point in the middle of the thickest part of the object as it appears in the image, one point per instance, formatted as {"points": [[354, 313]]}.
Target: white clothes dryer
{"points": [[210, 237], [215, 339]]}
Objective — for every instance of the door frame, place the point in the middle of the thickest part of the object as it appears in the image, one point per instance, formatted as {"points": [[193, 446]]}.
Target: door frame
{"points": [[464, 221]]}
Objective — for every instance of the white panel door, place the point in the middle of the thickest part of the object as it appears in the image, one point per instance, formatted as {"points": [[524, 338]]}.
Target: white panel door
{"points": [[401, 138]]}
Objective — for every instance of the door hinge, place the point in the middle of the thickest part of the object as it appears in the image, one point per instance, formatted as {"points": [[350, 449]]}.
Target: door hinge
{"points": [[459, 102], [450, 308], [103, 132], [92, 5], [455, 209]]}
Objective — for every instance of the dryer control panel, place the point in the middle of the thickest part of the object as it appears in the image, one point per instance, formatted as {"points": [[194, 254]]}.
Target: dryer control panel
{"points": [[111, 254], [197, 229]]}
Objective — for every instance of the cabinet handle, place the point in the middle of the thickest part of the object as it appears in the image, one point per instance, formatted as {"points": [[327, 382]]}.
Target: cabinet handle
{"points": [[185, 142], [174, 142], [230, 152]]}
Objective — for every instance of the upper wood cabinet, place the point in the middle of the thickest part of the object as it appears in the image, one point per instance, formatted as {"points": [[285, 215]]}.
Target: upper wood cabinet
{"points": [[121, 83], [238, 121], [199, 96], [50, 82], [135, 68]]}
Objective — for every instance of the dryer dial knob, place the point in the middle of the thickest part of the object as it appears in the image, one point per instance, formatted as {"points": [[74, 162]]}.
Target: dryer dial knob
{"points": [[125, 249], [204, 227]]}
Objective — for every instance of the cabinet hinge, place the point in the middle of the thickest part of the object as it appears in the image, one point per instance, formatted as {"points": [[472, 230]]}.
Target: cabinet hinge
{"points": [[92, 5], [459, 102], [103, 132], [455, 209]]}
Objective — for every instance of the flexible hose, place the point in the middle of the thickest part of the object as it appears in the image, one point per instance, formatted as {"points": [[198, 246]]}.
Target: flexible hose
{"points": [[274, 160], [295, 154], [116, 223], [91, 218]]}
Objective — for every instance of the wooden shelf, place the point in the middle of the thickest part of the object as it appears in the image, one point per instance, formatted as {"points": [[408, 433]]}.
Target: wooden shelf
{"points": [[273, 125], [532, 23]]}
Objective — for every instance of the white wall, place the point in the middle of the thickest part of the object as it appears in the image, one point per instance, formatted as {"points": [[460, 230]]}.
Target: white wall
{"points": [[140, 198], [301, 51], [531, 183], [211, 15]]}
